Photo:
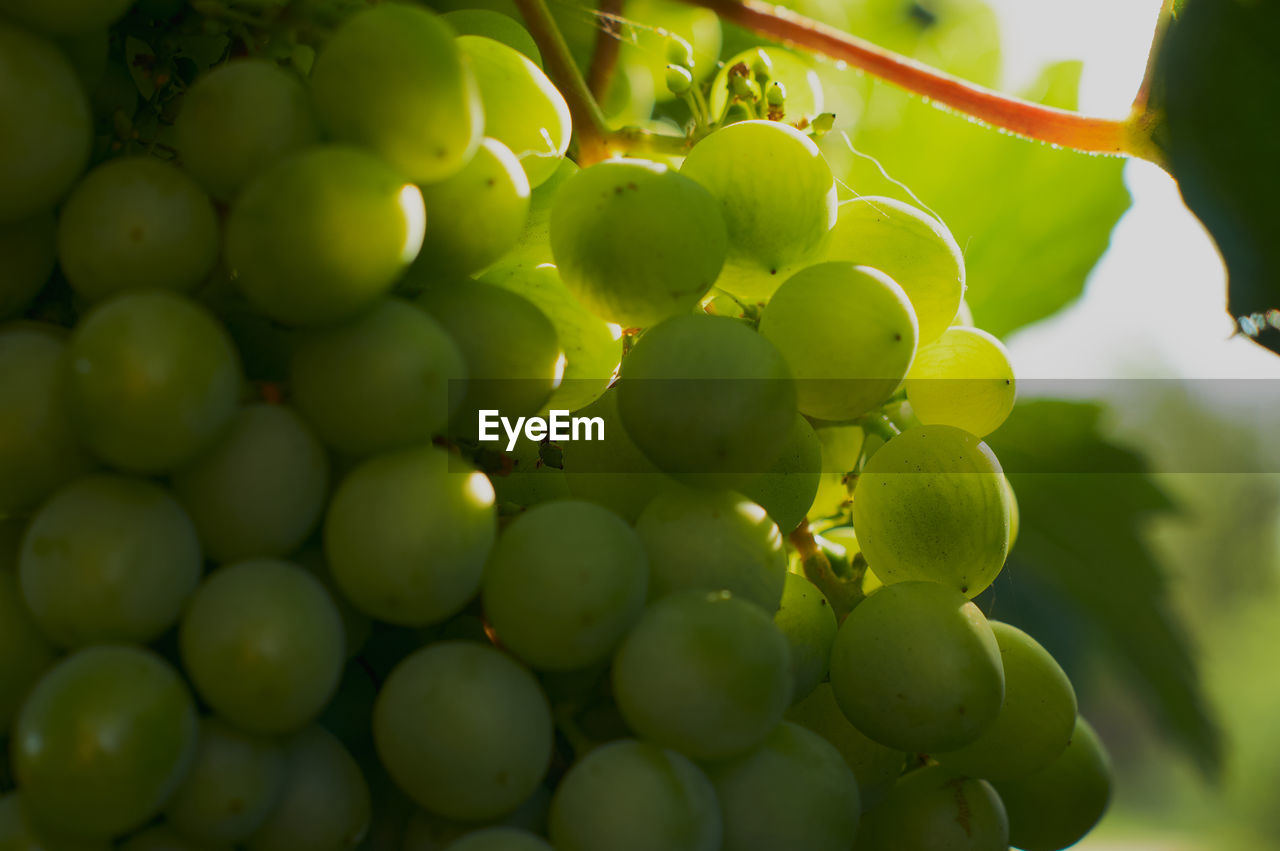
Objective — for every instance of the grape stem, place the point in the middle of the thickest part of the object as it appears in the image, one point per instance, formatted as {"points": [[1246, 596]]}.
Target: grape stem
{"points": [[842, 594], [604, 60], [1024, 118], [592, 136]]}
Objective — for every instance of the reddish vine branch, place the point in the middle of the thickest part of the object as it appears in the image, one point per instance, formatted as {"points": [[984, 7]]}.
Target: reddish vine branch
{"points": [[1024, 118]]}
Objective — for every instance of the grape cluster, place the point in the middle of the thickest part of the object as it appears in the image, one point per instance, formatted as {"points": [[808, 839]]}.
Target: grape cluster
{"points": [[261, 583]]}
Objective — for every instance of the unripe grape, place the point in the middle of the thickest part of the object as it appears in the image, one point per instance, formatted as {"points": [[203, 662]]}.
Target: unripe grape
{"points": [[932, 809], [848, 334], [807, 620], [875, 766], [635, 796], [916, 667], [392, 79], [705, 394], [636, 241], [28, 253], [777, 196], [931, 504], [522, 108], [48, 129], [1056, 806], [1035, 722], [962, 379], [908, 245], [65, 17], [796, 74], [787, 489], [497, 26]]}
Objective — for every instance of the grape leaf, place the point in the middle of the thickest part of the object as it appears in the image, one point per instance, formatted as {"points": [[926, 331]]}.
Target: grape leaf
{"points": [[1083, 502], [1032, 220], [1214, 90]]}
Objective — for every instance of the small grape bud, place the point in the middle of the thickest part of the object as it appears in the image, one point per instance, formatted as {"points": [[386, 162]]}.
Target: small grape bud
{"points": [[679, 80], [776, 96], [762, 66], [824, 122], [679, 52], [744, 88]]}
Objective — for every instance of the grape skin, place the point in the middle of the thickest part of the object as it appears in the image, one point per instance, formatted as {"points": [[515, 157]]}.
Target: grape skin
{"points": [[103, 740], [48, 129], [917, 668], [564, 583], [806, 619], [635, 796], [463, 730], [932, 809], [704, 673], [962, 379]]}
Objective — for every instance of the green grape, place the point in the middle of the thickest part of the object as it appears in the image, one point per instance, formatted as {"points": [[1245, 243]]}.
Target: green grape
{"points": [[806, 619], [875, 766], [705, 673], [239, 119], [525, 479], [516, 376], [713, 540], [262, 642], [28, 252], [65, 17], [497, 26], [325, 803], [522, 108], [407, 535], [463, 730], [499, 839], [634, 796], [1056, 806], [25, 653], [788, 488], [48, 129], [908, 245], [842, 446], [152, 380], [162, 837], [612, 472], [234, 783], [804, 89], [38, 447], [136, 223], [705, 394], [636, 241], [427, 831], [103, 740], [931, 505], [793, 791], [933, 809], [847, 332], [323, 233], [631, 96], [260, 490], [533, 249], [916, 668], [563, 584], [476, 215], [654, 21], [592, 348], [388, 378], [109, 559], [962, 379], [392, 79], [1034, 725], [777, 196], [17, 833]]}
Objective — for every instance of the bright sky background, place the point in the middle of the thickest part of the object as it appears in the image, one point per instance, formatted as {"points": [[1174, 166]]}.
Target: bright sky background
{"points": [[1154, 307]]}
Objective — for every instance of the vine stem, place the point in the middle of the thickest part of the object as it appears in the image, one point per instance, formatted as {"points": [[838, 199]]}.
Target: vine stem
{"points": [[604, 61], [595, 141], [1054, 126]]}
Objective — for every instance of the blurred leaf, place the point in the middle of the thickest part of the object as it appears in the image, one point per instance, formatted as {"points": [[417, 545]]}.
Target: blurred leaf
{"points": [[1032, 220], [1217, 81], [1083, 505]]}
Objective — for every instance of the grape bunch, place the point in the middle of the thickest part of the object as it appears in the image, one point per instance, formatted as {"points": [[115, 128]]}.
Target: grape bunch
{"points": [[265, 583]]}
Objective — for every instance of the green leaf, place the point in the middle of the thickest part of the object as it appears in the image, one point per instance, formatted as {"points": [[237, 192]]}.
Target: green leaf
{"points": [[1083, 504], [1216, 85], [1032, 220]]}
